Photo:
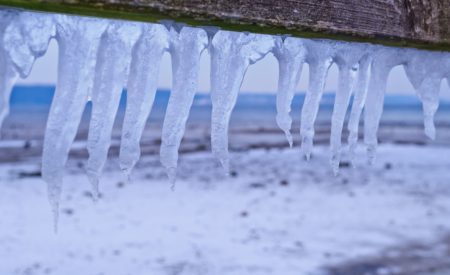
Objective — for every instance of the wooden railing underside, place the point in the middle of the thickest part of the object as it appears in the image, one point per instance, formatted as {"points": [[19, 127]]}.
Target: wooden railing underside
{"points": [[410, 23]]}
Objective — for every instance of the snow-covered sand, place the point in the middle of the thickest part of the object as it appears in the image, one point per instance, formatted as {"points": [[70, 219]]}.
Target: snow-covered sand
{"points": [[275, 214]]}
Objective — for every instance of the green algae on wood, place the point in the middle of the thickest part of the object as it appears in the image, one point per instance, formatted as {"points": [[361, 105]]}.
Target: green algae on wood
{"points": [[403, 23]]}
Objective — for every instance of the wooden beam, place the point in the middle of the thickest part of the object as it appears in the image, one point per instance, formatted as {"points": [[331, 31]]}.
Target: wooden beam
{"points": [[410, 23]]}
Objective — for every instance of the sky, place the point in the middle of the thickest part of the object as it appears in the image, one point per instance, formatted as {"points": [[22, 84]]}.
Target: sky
{"points": [[260, 77]]}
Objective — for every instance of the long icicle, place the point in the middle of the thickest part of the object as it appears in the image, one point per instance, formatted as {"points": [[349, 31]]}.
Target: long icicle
{"points": [[141, 89], [111, 72], [384, 60], [290, 53], [78, 40], [319, 58], [342, 99], [359, 99], [347, 58], [231, 54], [186, 48]]}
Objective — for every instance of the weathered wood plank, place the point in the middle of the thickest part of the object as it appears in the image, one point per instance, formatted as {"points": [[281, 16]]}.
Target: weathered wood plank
{"points": [[415, 23]]}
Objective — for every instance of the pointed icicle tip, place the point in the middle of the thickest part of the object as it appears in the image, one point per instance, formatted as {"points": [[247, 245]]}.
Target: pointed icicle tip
{"points": [[371, 153], [306, 148], [289, 138], [94, 180], [55, 213], [225, 162], [307, 156], [335, 164], [430, 129], [172, 175], [54, 189], [126, 172]]}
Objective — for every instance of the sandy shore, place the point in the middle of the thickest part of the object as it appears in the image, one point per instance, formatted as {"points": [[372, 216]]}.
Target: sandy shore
{"points": [[275, 214]]}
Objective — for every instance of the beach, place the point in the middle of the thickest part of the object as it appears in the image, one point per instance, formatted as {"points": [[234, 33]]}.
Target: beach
{"points": [[274, 214]]}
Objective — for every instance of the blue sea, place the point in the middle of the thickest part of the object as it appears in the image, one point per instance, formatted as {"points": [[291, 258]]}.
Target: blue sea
{"points": [[30, 106]]}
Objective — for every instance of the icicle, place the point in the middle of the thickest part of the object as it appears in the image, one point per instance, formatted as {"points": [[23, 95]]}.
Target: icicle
{"points": [[290, 53], [141, 89], [347, 58], [231, 54], [27, 38], [186, 49], [78, 40], [359, 99], [24, 37], [319, 58], [111, 71], [383, 61], [425, 70], [8, 74]]}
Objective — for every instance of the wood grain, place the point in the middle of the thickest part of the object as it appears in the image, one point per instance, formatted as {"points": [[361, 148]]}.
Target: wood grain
{"points": [[415, 23]]}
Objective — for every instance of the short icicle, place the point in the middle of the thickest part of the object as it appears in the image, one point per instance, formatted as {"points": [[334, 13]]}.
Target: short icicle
{"points": [[319, 57], [8, 76], [141, 89], [231, 54], [78, 40], [359, 99], [111, 72], [425, 71], [186, 48], [25, 37], [290, 53], [8, 73]]}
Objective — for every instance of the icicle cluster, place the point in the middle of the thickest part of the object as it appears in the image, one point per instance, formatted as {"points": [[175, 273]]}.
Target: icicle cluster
{"points": [[99, 57]]}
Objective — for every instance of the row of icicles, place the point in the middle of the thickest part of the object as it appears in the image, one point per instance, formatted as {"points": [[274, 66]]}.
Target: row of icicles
{"points": [[98, 57]]}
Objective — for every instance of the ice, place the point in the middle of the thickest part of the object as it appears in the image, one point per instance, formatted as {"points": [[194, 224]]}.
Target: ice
{"points": [[186, 47], [98, 57], [319, 58], [8, 74], [384, 59], [78, 39], [359, 99], [231, 54], [290, 53], [27, 38], [111, 72], [141, 89], [347, 57], [24, 38], [425, 70]]}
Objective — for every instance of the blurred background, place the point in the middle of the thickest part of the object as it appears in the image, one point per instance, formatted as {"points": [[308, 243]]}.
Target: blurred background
{"points": [[275, 213]]}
